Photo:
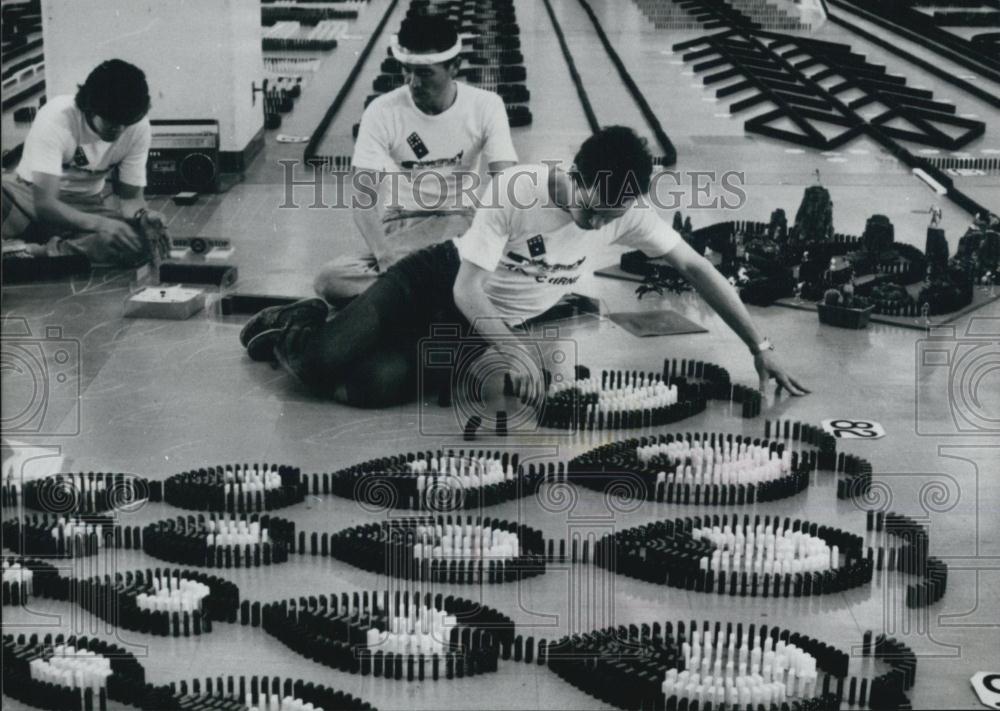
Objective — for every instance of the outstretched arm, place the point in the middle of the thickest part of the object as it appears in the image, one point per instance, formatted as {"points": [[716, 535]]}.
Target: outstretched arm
{"points": [[721, 296]]}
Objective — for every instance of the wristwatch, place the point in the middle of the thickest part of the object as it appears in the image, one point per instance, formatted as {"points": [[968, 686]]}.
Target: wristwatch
{"points": [[764, 345], [140, 213]]}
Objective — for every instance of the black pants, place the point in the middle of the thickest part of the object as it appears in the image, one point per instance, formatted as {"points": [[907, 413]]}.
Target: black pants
{"points": [[373, 348]]}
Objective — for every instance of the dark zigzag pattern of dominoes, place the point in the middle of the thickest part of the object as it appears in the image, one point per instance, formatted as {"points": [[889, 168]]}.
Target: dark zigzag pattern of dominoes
{"points": [[810, 82]]}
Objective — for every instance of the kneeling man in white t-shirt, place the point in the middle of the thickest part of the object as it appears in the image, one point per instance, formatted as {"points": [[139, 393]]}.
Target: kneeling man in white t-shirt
{"points": [[57, 202]]}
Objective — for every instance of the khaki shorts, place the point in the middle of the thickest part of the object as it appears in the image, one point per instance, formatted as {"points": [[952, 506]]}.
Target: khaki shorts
{"points": [[24, 235]]}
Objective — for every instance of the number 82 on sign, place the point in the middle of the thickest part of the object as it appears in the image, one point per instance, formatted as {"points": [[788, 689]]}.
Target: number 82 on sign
{"points": [[852, 428]]}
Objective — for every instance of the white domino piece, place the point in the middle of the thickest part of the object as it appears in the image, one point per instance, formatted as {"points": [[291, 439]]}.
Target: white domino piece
{"points": [[15, 573], [931, 183]]}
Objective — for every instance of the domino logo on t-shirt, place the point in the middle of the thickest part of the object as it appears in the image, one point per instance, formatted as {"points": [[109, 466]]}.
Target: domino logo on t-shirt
{"points": [[417, 145], [80, 158], [536, 246]]}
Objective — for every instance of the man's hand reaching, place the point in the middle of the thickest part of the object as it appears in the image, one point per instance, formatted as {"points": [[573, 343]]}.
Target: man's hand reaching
{"points": [[768, 367]]}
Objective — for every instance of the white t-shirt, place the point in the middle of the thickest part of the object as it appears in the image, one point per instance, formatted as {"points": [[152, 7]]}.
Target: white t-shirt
{"points": [[535, 250], [427, 151], [61, 143]]}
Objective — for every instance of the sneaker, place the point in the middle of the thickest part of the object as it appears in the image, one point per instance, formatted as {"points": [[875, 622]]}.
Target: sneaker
{"points": [[272, 320], [289, 347]]}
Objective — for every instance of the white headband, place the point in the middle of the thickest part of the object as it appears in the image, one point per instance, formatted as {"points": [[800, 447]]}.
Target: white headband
{"points": [[405, 57]]}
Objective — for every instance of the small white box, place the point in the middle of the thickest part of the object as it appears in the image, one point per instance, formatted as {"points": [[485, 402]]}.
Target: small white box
{"points": [[170, 302]]}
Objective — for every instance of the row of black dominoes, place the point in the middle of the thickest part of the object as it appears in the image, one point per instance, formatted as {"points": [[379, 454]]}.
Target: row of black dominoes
{"points": [[665, 552], [389, 482], [888, 690], [240, 693], [186, 541], [617, 463], [225, 488], [81, 493], [30, 578], [388, 549], [67, 537], [337, 636], [625, 666], [125, 685], [116, 601]]}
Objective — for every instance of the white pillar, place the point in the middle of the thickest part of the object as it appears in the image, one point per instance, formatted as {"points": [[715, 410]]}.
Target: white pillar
{"points": [[200, 56]]}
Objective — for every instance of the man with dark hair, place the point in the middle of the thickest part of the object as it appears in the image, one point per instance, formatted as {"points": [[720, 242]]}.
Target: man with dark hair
{"points": [[428, 134], [57, 202], [520, 256]]}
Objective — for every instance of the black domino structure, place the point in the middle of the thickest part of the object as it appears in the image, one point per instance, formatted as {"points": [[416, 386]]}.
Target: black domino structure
{"points": [[896, 282], [442, 549], [793, 73], [236, 488], [703, 468], [788, 72], [23, 64], [887, 43], [35, 673], [773, 258], [235, 541], [271, 14], [887, 690], [621, 399], [759, 557], [661, 666], [390, 635], [82, 493], [435, 481], [55, 536], [694, 14], [262, 692], [909, 556], [165, 602], [931, 30], [782, 69], [73, 673], [853, 473], [24, 578]]}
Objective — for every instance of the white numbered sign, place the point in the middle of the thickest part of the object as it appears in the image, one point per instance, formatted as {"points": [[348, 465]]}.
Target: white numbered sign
{"points": [[987, 686], [854, 428]]}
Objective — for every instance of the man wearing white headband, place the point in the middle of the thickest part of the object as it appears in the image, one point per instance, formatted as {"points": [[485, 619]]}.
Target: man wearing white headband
{"points": [[416, 143]]}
